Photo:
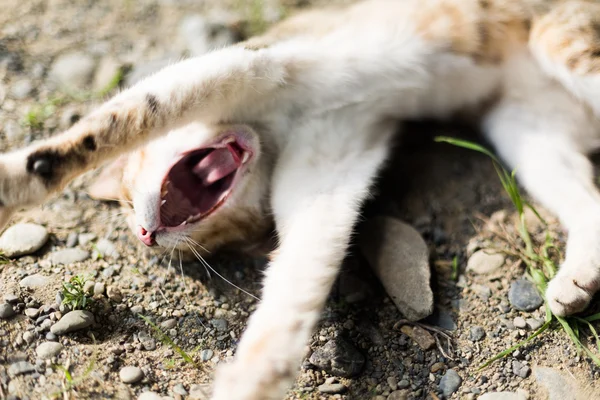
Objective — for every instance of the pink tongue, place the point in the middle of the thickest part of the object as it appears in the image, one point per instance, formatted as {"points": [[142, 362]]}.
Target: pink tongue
{"points": [[217, 165]]}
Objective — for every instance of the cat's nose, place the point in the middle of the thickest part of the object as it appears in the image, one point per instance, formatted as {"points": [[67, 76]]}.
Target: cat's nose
{"points": [[147, 237]]}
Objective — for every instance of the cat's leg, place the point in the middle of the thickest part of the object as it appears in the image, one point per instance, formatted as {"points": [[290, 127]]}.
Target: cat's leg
{"points": [[214, 87], [318, 189], [543, 133]]}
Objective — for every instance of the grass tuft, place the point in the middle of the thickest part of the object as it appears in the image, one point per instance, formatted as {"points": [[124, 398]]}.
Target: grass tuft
{"points": [[74, 295], [539, 261]]}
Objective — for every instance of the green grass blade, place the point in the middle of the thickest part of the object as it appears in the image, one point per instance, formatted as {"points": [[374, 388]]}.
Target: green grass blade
{"points": [[164, 338], [467, 145]]}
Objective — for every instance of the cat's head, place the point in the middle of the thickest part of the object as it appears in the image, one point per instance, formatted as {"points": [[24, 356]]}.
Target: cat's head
{"points": [[199, 186]]}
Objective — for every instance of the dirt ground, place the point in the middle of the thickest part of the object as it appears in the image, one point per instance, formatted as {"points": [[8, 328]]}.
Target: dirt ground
{"points": [[445, 192]]}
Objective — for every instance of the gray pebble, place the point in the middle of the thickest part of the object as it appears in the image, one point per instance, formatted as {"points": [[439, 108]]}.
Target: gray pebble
{"points": [[20, 368], [99, 288], [69, 256], [28, 337], [72, 240], [51, 337], [72, 70], [131, 374], [482, 291], [450, 382], [34, 281], [338, 357], [534, 323], [88, 287], [6, 311], [219, 324], [520, 369], [502, 396], [23, 239], [21, 89], [107, 249], [169, 324], [332, 388], [476, 333], [32, 312], [114, 294], [524, 296], [206, 354], [484, 262], [137, 310], [180, 390], [519, 322], [73, 321], [85, 238], [47, 350], [403, 384], [150, 396]]}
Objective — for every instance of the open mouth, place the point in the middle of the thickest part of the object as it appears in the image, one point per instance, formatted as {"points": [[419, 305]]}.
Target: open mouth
{"points": [[200, 182]]}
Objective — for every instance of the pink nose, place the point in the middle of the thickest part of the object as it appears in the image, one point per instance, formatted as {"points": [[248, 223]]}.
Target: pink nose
{"points": [[146, 237]]}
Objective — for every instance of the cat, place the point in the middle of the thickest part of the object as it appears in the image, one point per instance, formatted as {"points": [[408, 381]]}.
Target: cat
{"points": [[294, 125]]}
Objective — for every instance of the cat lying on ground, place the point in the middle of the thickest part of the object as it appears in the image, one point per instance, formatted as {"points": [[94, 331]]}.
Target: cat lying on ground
{"points": [[294, 125]]}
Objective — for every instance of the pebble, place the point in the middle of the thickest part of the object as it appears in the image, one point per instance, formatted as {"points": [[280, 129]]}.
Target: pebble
{"points": [[502, 396], [20, 368], [34, 281], [32, 312], [200, 392], [69, 256], [131, 374], [88, 287], [450, 382], [72, 70], [520, 369], [484, 262], [150, 396], [206, 354], [107, 249], [21, 89], [219, 324], [11, 298], [482, 291], [420, 336], [73, 321], [534, 323], [85, 238], [519, 322], [28, 337], [332, 388], [51, 336], [524, 296], [114, 294], [400, 258], [6, 311], [99, 288], [338, 357], [47, 350], [72, 240], [23, 239], [398, 395], [169, 324], [138, 310], [558, 385], [180, 390], [476, 333]]}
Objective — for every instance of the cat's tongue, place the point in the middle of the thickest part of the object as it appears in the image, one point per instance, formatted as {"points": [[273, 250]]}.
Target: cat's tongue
{"points": [[215, 166]]}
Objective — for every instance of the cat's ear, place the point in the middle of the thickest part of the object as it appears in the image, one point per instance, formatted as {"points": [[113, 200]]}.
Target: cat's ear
{"points": [[108, 184]]}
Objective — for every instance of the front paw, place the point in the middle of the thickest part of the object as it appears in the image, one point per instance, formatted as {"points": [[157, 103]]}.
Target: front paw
{"points": [[572, 289]]}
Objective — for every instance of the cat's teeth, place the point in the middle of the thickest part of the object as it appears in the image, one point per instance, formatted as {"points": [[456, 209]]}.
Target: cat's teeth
{"points": [[184, 223], [229, 140], [163, 203], [245, 158]]}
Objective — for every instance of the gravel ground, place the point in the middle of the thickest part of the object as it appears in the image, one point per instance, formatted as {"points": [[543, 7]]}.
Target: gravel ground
{"points": [[56, 60]]}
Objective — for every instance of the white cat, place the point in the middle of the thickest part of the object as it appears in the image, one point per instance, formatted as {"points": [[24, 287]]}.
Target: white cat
{"points": [[295, 124]]}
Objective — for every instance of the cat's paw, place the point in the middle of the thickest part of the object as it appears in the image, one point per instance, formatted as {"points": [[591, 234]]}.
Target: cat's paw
{"points": [[572, 289]]}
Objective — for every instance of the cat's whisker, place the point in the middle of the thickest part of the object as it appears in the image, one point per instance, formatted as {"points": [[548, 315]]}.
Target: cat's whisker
{"points": [[197, 244], [202, 260]]}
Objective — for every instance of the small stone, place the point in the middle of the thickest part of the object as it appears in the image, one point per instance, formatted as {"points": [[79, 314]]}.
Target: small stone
{"points": [[520, 369], [131, 374], [138, 310], [400, 258], [85, 238], [23, 239], [392, 383], [519, 322], [338, 357], [21, 89], [332, 388], [476, 333], [28, 337], [438, 366], [206, 354], [72, 240], [484, 262], [534, 323], [398, 395], [524, 296], [51, 337], [32, 312], [150, 396], [69, 256], [450, 382], [99, 289], [73, 321], [559, 386], [108, 271], [482, 291], [107, 249], [34, 281], [6, 311], [47, 350], [88, 287], [403, 384], [421, 337], [72, 70], [114, 294], [20, 368], [219, 324], [502, 396], [169, 324], [11, 298], [180, 390]]}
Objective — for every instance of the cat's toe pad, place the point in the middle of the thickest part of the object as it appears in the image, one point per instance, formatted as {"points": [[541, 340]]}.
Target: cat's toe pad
{"points": [[569, 293]]}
